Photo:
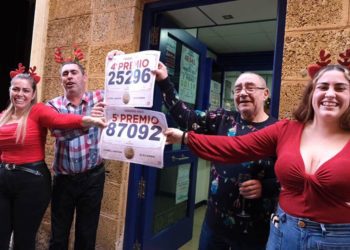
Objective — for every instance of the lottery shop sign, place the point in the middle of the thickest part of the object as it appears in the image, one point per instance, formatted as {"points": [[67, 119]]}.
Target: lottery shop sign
{"points": [[134, 135], [129, 81]]}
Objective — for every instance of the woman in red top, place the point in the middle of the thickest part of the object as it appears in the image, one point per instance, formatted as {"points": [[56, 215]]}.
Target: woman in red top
{"points": [[25, 181], [313, 163]]}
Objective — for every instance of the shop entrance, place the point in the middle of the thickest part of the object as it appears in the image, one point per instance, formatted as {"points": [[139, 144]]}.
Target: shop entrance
{"points": [[224, 39]]}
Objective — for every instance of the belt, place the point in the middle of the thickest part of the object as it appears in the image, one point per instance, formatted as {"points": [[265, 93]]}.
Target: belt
{"points": [[85, 173], [23, 167]]}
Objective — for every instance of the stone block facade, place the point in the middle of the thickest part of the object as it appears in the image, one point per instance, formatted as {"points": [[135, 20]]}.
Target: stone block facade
{"points": [[310, 26], [97, 26]]}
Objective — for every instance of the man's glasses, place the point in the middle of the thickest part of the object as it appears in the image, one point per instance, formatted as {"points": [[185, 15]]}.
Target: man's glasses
{"points": [[248, 89]]}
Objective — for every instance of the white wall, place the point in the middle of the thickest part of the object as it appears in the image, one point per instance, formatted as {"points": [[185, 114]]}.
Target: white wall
{"points": [[202, 180]]}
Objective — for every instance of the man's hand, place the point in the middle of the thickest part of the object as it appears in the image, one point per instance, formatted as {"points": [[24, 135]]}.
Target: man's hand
{"points": [[161, 72], [98, 110], [251, 189], [113, 53]]}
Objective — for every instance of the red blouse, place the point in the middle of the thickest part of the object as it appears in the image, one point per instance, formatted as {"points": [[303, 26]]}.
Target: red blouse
{"points": [[323, 196], [33, 148]]}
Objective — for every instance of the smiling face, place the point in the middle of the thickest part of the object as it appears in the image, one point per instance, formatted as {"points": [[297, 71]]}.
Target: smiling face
{"points": [[21, 93], [331, 97], [250, 94], [73, 80]]}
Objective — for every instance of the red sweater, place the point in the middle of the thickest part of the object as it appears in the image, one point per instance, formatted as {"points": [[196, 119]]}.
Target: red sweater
{"points": [[33, 148], [323, 196]]}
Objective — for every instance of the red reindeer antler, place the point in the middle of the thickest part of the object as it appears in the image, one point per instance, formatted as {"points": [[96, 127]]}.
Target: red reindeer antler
{"points": [[32, 73], [77, 55], [346, 57], [20, 70], [312, 69], [58, 55]]}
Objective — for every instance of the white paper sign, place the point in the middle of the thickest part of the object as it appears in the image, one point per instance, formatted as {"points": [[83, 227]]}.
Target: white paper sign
{"points": [[134, 135], [188, 75], [182, 183], [214, 97], [128, 79]]}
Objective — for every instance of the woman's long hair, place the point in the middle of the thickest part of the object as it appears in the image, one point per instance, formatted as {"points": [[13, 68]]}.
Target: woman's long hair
{"points": [[305, 112], [10, 110]]}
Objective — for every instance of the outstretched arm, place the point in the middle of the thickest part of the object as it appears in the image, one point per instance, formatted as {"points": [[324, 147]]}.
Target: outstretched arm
{"points": [[50, 118], [224, 149], [68, 134], [90, 121]]}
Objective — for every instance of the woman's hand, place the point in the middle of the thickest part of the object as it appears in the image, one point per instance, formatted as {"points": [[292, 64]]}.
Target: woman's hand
{"points": [[174, 136], [89, 121]]}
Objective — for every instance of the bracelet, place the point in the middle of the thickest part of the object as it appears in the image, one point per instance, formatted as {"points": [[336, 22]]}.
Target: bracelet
{"points": [[183, 137]]}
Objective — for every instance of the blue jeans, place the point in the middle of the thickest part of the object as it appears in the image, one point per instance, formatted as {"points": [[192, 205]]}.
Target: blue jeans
{"points": [[210, 240], [294, 233]]}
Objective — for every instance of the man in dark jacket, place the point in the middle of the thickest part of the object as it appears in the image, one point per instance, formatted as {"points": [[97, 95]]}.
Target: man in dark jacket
{"points": [[241, 198]]}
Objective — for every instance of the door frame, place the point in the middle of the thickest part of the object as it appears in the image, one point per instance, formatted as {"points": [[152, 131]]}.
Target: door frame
{"points": [[151, 10]]}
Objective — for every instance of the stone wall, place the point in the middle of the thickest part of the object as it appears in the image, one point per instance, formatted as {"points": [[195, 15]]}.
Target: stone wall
{"points": [[97, 26], [310, 26]]}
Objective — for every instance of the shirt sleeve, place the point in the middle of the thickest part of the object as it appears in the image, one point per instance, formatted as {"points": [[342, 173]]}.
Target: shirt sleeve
{"points": [[204, 122], [65, 134], [49, 118], [253, 146]]}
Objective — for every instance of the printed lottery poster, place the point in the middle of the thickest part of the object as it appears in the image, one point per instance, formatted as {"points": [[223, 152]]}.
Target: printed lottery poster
{"points": [[134, 135], [128, 79]]}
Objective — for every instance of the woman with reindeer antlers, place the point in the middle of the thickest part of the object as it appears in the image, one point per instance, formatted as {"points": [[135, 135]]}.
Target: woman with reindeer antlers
{"points": [[313, 163], [25, 181]]}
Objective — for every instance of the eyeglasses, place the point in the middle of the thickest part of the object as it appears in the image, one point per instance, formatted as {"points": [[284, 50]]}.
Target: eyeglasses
{"points": [[248, 89]]}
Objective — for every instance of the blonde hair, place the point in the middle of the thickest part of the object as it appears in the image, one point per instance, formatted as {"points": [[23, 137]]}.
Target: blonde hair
{"points": [[10, 110]]}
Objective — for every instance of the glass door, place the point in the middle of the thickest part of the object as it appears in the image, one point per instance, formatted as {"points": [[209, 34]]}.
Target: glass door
{"points": [[167, 215]]}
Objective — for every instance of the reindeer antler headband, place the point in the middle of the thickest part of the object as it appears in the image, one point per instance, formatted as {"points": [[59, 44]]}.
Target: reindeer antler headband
{"points": [[21, 70], [325, 60], [77, 55]]}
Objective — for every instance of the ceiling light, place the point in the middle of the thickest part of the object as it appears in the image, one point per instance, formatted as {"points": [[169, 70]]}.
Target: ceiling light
{"points": [[226, 17]]}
